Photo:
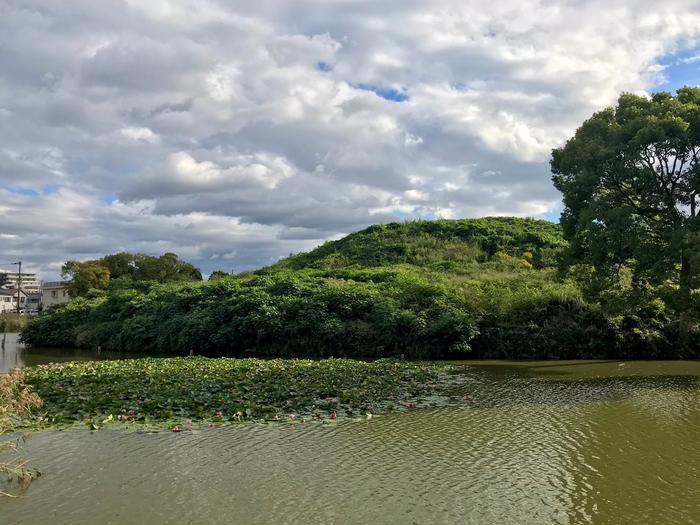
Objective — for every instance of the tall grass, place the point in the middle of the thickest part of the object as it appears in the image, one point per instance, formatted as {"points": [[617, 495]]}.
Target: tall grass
{"points": [[16, 401], [10, 322]]}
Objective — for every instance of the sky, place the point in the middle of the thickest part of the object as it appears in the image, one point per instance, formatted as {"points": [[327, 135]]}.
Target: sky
{"points": [[235, 133]]}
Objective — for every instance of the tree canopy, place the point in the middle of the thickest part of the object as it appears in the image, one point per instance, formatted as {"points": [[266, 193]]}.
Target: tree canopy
{"points": [[630, 181], [85, 276], [97, 274]]}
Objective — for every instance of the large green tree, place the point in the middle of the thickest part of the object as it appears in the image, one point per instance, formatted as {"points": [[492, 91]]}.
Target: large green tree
{"points": [[630, 180], [85, 276], [165, 269], [120, 264]]}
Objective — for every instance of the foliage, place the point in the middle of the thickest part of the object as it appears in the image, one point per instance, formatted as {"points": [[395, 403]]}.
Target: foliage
{"points": [[164, 269], [198, 389], [438, 242], [484, 297], [123, 269], [217, 274], [85, 276], [631, 182], [360, 313]]}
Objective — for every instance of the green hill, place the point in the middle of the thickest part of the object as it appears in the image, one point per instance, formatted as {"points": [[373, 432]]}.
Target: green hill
{"points": [[473, 288], [436, 243]]}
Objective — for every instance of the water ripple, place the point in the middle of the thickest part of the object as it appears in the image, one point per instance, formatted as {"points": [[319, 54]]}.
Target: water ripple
{"points": [[532, 449]]}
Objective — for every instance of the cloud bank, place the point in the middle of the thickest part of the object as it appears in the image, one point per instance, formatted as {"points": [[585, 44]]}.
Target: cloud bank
{"points": [[234, 133]]}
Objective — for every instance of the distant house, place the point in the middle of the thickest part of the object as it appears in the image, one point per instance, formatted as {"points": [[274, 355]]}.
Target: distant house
{"points": [[8, 300], [53, 293]]}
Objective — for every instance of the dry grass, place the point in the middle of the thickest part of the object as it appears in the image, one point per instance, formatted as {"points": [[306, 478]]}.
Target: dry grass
{"points": [[10, 322], [16, 401]]}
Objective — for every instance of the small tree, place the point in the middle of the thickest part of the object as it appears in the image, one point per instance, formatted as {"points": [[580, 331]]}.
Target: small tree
{"points": [[630, 180]]}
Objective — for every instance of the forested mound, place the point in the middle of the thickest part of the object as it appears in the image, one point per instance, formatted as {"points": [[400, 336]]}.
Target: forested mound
{"points": [[436, 243], [426, 289]]}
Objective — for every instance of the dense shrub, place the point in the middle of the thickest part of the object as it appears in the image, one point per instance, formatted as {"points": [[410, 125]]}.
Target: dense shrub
{"points": [[285, 313]]}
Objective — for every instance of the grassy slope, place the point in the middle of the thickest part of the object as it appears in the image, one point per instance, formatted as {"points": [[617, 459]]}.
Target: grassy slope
{"points": [[442, 244]]}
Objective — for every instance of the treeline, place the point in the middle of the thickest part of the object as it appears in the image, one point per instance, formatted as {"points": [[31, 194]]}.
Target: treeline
{"points": [[444, 289], [124, 269]]}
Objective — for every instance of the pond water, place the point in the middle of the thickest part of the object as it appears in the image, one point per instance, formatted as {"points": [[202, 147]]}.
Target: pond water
{"points": [[15, 355], [534, 443]]}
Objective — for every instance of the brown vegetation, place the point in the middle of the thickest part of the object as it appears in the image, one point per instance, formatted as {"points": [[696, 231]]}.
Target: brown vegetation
{"points": [[16, 400]]}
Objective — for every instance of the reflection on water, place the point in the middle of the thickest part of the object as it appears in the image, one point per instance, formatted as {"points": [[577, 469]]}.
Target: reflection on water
{"points": [[15, 355], [534, 443]]}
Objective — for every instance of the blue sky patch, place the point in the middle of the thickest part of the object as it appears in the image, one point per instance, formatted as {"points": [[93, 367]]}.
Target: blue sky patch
{"points": [[325, 66], [680, 69], [27, 192], [553, 215], [394, 95], [30, 192]]}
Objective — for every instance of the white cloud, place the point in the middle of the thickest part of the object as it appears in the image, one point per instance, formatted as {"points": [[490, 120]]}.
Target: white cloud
{"points": [[242, 132], [137, 134]]}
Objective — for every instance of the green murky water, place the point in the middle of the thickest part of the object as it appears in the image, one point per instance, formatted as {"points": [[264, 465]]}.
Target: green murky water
{"points": [[14, 355], [534, 443]]}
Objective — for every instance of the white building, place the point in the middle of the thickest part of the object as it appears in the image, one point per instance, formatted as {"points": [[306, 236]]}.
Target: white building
{"points": [[53, 293], [8, 300], [30, 283]]}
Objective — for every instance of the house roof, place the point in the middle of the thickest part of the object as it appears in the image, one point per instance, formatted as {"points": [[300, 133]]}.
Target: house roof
{"points": [[55, 284], [10, 291]]}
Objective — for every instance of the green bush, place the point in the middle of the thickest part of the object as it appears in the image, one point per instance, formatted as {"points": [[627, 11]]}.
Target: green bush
{"points": [[285, 313]]}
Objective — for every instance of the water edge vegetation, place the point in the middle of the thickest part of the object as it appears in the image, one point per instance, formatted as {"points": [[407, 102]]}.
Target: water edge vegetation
{"points": [[179, 393]]}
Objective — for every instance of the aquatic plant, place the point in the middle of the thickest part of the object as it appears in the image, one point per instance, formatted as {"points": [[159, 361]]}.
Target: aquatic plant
{"points": [[181, 392]]}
